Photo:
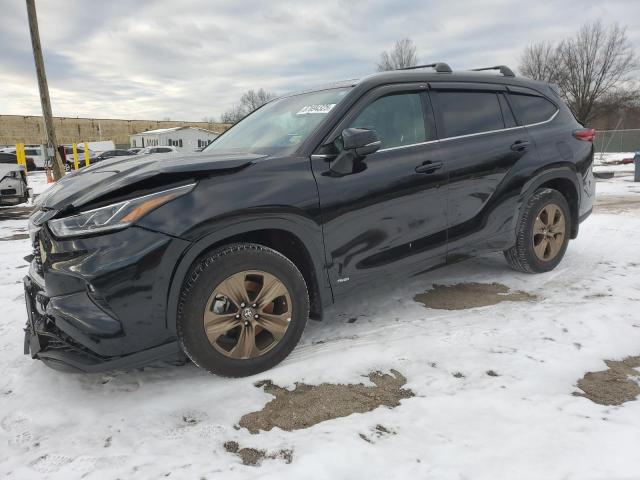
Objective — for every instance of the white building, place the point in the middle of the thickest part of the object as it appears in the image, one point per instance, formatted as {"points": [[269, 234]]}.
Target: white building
{"points": [[187, 139]]}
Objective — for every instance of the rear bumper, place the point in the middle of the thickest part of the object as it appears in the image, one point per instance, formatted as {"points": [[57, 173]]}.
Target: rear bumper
{"points": [[44, 341], [10, 200], [586, 215]]}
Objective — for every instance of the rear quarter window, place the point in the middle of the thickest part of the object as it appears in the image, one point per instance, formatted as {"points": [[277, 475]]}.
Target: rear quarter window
{"points": [[465, 113], [531, 109]]}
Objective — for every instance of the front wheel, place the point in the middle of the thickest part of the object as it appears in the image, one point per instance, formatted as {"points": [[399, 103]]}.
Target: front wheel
{"points": [[543, 233], [242, 310]]}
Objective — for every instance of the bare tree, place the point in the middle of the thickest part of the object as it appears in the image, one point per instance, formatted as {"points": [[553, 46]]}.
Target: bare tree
{"points": [[254, 99], [233, 115], [403, 55], [249, 101], [541, 61], [593, 69]]}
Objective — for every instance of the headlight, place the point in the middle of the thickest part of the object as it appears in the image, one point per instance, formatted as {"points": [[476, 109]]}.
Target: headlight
{"points": [[115, 216]]}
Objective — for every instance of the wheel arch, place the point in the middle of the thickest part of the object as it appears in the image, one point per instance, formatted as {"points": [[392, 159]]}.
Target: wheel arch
{"points": [[300, 242], [564, 179]]}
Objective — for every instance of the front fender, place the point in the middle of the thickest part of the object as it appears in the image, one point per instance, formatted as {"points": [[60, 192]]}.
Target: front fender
{"points": [[305, 229]]}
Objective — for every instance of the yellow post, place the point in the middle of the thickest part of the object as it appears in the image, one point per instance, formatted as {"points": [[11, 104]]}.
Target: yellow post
{"points": [[75, 156], [86, 154], [20, 155]]}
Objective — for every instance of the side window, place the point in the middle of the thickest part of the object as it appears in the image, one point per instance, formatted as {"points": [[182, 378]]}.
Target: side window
{"points": [[397, 119], [464, 113], [531, 109]]}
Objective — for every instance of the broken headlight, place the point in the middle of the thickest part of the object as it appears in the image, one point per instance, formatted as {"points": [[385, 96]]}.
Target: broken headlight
{"points": [[115, 216]]}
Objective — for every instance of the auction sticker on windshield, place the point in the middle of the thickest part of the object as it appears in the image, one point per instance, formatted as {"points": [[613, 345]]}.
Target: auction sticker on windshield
{"points": [[321, 108]]}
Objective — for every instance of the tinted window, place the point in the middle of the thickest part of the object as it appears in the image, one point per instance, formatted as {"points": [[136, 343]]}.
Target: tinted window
{"points": [[464, 113], [8, 158], [531, 109], [397, 119]]}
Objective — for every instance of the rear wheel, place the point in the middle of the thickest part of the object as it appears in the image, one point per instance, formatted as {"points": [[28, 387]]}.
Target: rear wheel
{"points": [[242, 310], [543, 233]]}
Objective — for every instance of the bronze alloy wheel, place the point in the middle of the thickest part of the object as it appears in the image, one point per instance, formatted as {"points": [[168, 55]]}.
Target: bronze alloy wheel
{"points": [[549, 230], [247, 314]]}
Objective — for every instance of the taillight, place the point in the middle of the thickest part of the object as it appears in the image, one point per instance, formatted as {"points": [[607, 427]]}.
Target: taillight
{"points": [[586, 134]]}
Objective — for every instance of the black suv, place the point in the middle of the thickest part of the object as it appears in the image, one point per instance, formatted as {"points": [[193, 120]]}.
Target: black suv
{"points": [[224, 254]]}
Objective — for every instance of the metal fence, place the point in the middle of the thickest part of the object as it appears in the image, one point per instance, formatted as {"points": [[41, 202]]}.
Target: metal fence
{"points": [[609, 141]]}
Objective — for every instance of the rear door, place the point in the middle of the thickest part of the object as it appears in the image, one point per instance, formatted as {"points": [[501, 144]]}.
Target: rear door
{"points": [[481, 143], [388, 217]]}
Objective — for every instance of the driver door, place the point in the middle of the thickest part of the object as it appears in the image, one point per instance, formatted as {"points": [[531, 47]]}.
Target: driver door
{"points": [[389, 216]]}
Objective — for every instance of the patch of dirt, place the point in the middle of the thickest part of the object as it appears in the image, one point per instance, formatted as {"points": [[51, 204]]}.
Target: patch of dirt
{"points": [[15, 236], [616, 203], [596, 296], [376, 433], [307, 405], [254, 457], [470, 295], [613, 386]]}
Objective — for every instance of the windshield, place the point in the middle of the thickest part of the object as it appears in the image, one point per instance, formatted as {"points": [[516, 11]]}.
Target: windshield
{"points": [[279, 126]]}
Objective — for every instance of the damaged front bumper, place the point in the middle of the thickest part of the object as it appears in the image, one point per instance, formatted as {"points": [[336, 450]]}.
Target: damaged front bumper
{"points": [[99, 303], [43, 340]]}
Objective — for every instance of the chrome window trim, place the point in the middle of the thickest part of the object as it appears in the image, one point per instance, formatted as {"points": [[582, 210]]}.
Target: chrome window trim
{"points": [[319, 155], [473, 134]]}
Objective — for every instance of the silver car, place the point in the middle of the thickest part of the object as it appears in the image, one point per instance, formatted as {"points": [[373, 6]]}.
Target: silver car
{"points": [[13, 184]]}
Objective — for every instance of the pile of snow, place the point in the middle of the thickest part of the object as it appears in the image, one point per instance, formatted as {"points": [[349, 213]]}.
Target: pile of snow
{"points": [[523, 423], [612, 162], [611, 158]]}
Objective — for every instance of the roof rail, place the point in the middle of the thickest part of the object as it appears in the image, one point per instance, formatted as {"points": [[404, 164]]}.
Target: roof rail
{"points": [[439, 67], [504, 70]]}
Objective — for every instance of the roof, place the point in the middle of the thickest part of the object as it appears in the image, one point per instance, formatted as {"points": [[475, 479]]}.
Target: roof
{"points": [[160, 131], [428, 75]]}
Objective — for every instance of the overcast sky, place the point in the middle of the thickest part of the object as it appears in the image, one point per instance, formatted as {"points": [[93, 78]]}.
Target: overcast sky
{"points": [[189, 59]]}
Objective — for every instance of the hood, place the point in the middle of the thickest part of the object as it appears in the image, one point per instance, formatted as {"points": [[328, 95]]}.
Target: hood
{"points": [[88, 184]]}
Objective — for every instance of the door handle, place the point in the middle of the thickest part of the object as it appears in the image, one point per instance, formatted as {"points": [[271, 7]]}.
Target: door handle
{"points": [[520, 146], [428, 167]]}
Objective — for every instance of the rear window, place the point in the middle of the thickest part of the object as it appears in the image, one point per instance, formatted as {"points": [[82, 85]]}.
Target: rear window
{"points": [[464, 113], [531, 109]]}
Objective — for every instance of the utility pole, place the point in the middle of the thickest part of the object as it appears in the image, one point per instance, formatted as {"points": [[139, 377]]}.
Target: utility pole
{"points": [[52, 144]]}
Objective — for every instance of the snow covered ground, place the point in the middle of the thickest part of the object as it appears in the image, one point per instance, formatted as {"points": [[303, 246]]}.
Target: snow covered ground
{"points": [[521, 423]]}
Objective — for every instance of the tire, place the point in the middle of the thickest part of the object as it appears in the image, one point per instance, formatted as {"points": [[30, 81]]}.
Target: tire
{"points": [[200, 296], [67, 167], [523, 256]]}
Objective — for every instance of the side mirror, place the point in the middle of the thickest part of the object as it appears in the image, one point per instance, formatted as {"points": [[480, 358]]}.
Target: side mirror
{"points": [[362, 141], [357, 144]]}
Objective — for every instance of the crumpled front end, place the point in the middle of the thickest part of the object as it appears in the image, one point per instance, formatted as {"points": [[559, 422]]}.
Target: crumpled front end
{"points": [[99, 303]]}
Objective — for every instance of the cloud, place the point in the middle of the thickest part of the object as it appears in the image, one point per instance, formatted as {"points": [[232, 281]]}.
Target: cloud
{"points": [[194, 58]]}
